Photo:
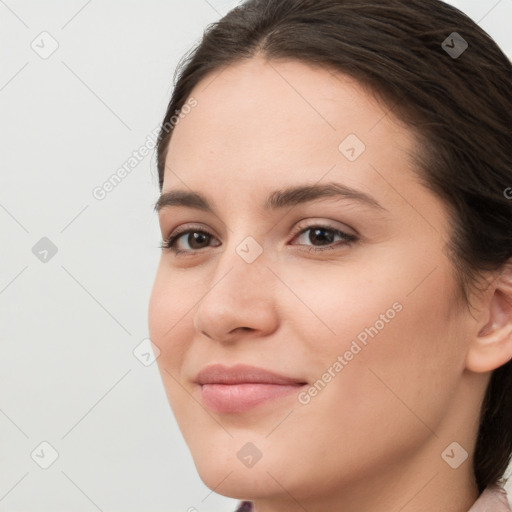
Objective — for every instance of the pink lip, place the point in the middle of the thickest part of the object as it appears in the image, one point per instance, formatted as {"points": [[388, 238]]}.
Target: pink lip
{"points": [[239, 388]]}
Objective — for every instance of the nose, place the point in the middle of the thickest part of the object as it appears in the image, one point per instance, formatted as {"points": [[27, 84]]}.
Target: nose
{"points": [[240, 299]]}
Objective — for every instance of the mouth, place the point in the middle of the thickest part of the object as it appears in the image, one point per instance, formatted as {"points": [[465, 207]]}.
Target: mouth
{"points": [[240, 388]]}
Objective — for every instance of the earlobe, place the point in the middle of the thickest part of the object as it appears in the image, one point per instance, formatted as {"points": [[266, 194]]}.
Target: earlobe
{"points": [[492, 345]]}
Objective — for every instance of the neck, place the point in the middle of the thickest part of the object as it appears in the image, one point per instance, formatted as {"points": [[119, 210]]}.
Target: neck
{"points": [[413, 488]]}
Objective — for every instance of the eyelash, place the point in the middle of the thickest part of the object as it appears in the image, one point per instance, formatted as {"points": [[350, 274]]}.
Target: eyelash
{"points": [[348, 239]]}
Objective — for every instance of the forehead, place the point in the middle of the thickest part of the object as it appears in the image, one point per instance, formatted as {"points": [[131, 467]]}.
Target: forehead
{"points": [[274, 122], [283, 99]]}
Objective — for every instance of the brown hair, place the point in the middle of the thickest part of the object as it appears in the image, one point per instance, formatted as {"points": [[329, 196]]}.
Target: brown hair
{"points": [[459, 106]]}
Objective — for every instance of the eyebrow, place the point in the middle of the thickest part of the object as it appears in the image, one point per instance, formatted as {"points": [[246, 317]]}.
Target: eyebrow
{"points": [[278, 199]]}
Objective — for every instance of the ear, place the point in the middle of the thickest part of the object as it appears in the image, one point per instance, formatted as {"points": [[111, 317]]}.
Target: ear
{"points": [[491, 346]]}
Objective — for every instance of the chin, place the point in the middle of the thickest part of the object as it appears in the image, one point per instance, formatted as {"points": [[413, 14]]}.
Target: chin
{"points": [[222, 471], [241, 484]]}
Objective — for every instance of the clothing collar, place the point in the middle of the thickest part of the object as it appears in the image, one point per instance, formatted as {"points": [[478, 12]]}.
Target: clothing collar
{"points": [[493, 499]]}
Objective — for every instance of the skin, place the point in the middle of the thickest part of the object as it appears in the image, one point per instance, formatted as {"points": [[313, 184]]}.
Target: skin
{"points": [[372, 439]]}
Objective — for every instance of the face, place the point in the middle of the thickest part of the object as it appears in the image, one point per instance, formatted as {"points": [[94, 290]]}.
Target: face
{"points": [[349, 295]]}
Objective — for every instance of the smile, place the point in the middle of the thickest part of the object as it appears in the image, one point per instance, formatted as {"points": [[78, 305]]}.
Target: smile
{"points": [[240, 388]]}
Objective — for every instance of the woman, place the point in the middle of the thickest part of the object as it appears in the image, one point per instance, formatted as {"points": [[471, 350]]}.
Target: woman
{"points": [[333, 303]]}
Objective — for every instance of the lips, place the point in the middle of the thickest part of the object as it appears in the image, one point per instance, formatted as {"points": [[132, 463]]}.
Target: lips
{"points": [[241, 387]]}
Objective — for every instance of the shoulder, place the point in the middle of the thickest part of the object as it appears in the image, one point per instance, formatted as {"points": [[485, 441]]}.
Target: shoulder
{"points": [[493, 498]]}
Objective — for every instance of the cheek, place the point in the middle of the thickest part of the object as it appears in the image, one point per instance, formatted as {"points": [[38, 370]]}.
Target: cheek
{"points": [[168, 322], [169, 329], [414, 363], [334, 305], [395, 323], [395, 388]]}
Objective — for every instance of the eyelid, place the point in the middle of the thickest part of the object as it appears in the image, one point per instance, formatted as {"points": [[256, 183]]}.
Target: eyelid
{"points": [[182, 230], [322, 223], [189, 227], [348, 238]]}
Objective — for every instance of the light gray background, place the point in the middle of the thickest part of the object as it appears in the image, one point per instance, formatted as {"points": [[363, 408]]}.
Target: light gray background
{"points": [[68, 374]]}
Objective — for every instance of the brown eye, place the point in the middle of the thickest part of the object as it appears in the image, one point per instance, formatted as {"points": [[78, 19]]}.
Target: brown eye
{"points": [[323, 237], [195, 239]]}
